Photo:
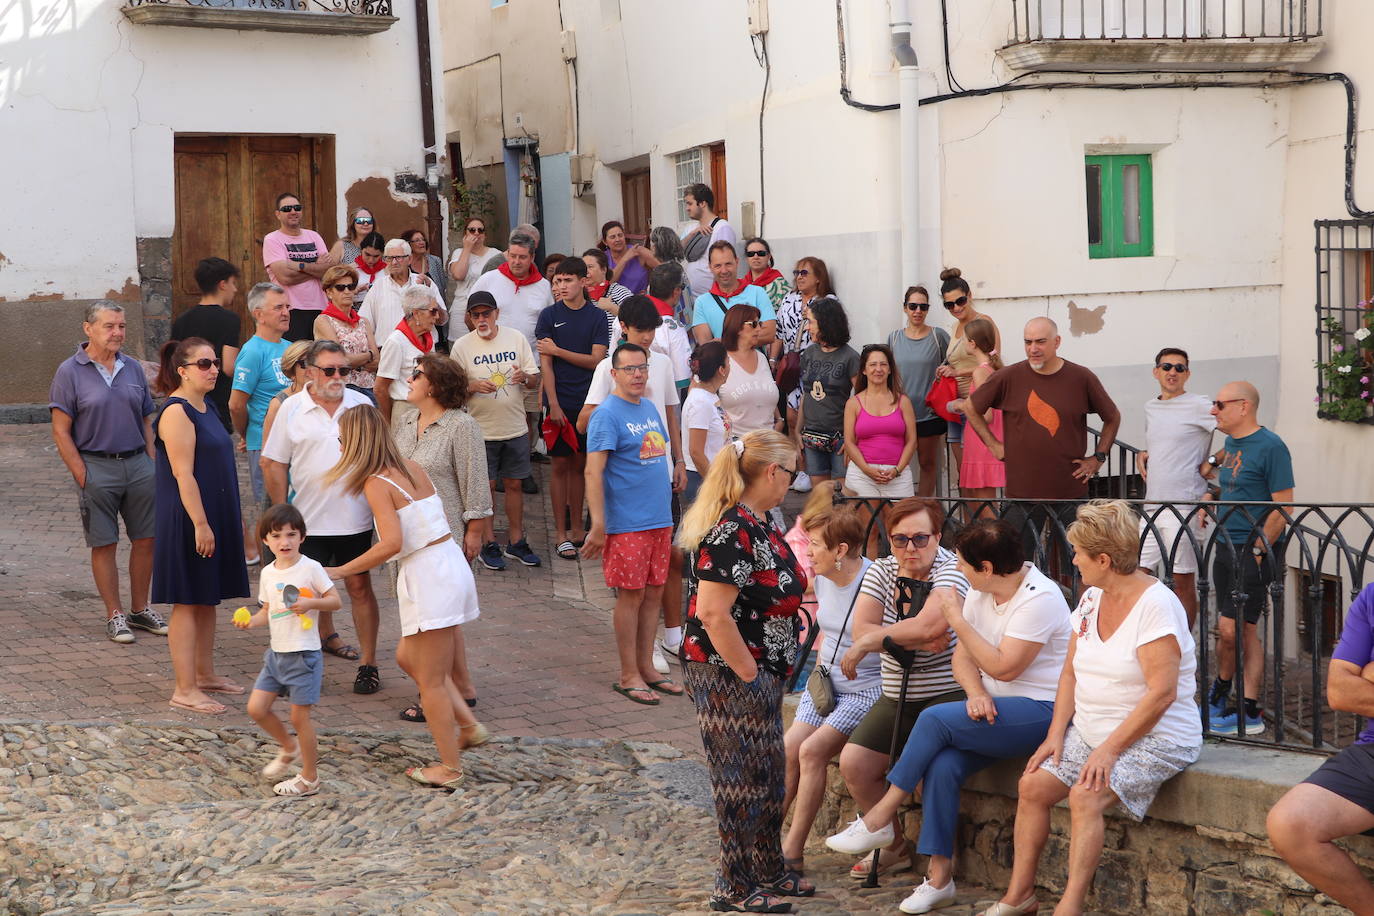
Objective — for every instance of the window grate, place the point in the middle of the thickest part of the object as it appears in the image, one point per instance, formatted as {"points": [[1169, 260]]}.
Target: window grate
{"points": [[1345, 319], [689, 167]]}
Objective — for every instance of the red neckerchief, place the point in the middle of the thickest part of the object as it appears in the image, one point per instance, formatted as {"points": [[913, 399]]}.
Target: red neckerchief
{"points": [[664, 309], [715, 288], [598, 292], [332, 311], [534, 276], [769, 276], [370, 271], [424, 343]]}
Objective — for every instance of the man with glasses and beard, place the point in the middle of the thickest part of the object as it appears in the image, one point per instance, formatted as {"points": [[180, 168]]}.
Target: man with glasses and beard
{"points": [[305, 440], [382, 306], [296, 259]]}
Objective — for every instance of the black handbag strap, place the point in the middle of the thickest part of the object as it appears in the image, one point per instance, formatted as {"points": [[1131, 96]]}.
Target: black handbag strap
{"points": [[853, 599]]}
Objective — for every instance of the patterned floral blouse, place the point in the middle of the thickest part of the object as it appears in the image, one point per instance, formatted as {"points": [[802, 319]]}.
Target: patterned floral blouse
{"points": [[791, 322], [747, 552]]}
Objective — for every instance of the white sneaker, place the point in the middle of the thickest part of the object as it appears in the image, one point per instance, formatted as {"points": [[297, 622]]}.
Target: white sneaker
{"points": [[856, 839], [660, 660], [928, 897], [803, 483]]}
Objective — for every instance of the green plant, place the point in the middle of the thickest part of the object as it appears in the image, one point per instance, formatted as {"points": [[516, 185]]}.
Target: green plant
{"points": [[1345, 376], [471, 200]]}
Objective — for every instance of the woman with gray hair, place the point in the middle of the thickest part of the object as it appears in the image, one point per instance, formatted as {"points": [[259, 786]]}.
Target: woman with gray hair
{"points": [[412, 339], [667, 247]]}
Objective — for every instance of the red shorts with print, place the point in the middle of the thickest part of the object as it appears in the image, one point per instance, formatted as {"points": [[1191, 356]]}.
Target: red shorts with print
{"points": [[636, 559]]}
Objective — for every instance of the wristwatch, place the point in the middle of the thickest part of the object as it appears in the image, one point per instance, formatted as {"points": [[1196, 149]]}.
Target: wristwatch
{"points": [[1257, 551], [1101, 457], [1214, 461]]}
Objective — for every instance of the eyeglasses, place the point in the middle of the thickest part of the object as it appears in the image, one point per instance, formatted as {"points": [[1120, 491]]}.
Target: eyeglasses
{"points": [[1173, 367], [791, 474], [343, 286], [475, 230], [291, 208], [203, 363], [1221, 405], [951, 303], [803, 272], [915, 306], [396, 257], [331, 371], [363, 220], [432, 310], [760, 253], [902, 541], [418, 373], [636, 369]]}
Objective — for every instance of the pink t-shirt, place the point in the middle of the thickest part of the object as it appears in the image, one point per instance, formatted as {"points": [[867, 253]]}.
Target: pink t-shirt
{"points": [[307, 247]]}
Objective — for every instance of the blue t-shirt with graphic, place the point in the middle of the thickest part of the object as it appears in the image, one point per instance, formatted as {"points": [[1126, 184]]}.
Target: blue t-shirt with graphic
{"points": [[577, 330], [1256, 467], [637, 485], [257, 371]]}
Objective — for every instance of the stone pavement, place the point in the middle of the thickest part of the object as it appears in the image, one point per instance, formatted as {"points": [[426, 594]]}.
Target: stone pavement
{"points": [[110, 802]]}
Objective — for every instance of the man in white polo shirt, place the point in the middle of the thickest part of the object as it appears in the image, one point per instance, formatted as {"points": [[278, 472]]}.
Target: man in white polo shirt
{"points": [[305, 439]]}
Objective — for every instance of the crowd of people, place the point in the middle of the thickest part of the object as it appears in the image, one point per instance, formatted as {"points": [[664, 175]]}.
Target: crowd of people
{"points": [[386, 397]]}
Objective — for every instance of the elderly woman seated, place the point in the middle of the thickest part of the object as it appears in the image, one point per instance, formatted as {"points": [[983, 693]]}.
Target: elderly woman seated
{"points": [[1124, 716], [1013, 630]]}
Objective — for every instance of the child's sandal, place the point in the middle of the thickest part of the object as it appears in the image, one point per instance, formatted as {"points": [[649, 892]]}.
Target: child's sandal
{"points": [[297, 786], [281, 763]]}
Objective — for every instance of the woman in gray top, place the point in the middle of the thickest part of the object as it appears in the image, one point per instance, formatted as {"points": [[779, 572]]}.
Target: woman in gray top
{"points": [[919, 349]]}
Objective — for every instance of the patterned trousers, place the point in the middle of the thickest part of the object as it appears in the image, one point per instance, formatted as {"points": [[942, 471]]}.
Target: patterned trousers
{"points": [[741, 730]]}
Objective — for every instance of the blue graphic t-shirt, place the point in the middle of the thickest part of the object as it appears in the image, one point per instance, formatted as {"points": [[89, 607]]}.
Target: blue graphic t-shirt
{"points": [[637, 486], [1256, 467], [257, 371]]}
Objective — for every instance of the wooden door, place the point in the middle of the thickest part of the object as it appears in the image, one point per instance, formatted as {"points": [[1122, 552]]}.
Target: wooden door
{"points": [[226, 189], [718, 187], [634, 192]]}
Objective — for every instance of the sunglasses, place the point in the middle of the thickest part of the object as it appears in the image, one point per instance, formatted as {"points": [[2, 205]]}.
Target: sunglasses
{"points": [[433, 310], [331, 371], [1173, 367], [475, 230], [483, 313], [801, 273], [750, 323], [791, 474], [291, 208], [756, 254], [901, 541], [951, 303], [203, 363], [1221, 405], [363, 220], [343, 286], [915, 306]]}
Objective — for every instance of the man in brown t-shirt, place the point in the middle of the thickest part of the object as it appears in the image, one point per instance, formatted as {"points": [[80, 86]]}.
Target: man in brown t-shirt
{"points": [[1045, 402]]}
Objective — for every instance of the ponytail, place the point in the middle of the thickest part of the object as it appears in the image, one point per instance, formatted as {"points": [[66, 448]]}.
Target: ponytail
{"points": [[735, 466], [170, 358]]}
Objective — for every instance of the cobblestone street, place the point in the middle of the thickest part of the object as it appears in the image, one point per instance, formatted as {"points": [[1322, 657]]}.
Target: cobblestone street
{"points": [[110, 802]]}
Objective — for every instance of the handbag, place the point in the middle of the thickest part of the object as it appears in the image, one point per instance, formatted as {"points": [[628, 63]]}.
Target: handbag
{"points": [[830, 443], [788, 371], [942, 391], [819, 687]]}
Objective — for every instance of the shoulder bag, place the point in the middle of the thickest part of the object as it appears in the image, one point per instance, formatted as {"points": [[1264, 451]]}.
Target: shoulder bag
{"points": [[788, 371], [819, 686]]}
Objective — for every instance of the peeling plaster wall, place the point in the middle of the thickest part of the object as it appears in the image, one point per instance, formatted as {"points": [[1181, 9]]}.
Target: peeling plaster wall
{"points": [[89, 107]]}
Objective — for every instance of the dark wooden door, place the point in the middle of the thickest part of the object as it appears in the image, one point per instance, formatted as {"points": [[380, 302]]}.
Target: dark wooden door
{"points": [[718, 188], [634, 192], [226, 188]]}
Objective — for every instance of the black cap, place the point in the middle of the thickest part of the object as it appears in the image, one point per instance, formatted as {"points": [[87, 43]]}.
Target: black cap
{"points": [[482, 299]]}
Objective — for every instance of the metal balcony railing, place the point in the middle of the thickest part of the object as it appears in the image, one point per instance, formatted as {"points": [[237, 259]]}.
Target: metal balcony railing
{"points": [[1207, 20], [1322, 561]]}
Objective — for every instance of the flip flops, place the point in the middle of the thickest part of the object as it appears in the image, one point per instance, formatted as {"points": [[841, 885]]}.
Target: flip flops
{"points": [[417, 775], [342, 651], [629, 694], [665, 687], [208, 708]]}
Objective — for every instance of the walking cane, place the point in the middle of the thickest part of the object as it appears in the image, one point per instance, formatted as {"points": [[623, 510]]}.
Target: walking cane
{"points": [[911, 595]]}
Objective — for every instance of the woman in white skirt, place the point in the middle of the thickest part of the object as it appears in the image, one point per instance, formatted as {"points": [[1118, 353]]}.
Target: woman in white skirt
{"points": [[879, 435], [435, 590]]}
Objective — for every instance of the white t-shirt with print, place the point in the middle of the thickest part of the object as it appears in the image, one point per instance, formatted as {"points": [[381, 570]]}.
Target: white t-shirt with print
{"points": [[702, 410], [501, 413], [1036, 613], [1110, 681], [1178, 435], [285, 626]]}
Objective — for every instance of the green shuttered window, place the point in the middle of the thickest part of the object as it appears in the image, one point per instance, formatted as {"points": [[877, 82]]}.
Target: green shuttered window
{"points": [[1120, 199]]}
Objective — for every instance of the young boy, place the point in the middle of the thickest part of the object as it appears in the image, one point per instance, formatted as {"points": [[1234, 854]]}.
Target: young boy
{"points": [[294, 665]]}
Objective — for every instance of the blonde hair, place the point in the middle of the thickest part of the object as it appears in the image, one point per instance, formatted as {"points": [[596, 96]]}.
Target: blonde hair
{"points": [[338, 272], [293, 356], [735, 466], [820, 502], [1108, 526], [367, 449]]}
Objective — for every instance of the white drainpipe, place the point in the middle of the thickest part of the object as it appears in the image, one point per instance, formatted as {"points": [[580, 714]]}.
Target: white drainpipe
{"points": [[900, 22]]}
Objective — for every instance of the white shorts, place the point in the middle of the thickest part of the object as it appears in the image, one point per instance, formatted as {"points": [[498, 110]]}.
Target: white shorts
{"points": [[435, 589], [860, 484], [1168, 540]]}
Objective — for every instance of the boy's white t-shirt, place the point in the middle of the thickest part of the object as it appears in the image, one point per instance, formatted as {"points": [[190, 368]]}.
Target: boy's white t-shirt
{"points": [[658, 390], [285, 626], [1110, 681], [702, 410], [1036, 613], [1178, 434]]}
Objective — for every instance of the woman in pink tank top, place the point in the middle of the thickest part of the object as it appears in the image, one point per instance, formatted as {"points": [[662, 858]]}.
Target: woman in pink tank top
{"points": [[879, 433]]}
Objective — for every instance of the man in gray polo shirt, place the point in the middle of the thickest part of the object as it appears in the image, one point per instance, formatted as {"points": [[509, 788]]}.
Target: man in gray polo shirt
{"points": [[102, 422]]}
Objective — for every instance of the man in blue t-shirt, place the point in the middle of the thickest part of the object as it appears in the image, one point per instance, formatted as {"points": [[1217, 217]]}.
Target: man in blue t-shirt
{"points": [[630, 499], [570, 339], [1253, 466], [708, 312], [1337, 800]]}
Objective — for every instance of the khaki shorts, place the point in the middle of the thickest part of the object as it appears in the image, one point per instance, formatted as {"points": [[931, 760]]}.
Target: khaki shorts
{"points": [[875, 731], [532, 401]]}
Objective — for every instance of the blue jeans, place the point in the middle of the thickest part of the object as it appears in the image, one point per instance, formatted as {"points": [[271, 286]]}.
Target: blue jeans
{"points": [[946, 747]]}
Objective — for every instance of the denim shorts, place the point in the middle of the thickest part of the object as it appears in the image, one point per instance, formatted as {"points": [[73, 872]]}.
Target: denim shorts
{"points": [[294, 675], [954, 431], [822, 463]]}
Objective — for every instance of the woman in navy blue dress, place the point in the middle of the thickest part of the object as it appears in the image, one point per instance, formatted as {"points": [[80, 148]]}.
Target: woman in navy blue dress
{"points": [[198, 548]]}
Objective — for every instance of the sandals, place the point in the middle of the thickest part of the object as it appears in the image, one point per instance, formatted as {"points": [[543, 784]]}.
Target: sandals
{"points": [[1007, 909], [567, 550], [667, 686], [281, 763], [792, 884], [297, 786], [474, 735], [368, 680], [797, 865], [417, 774], [760, 901], [413, 713], [342, 651], [629, 694], [904, 861]]}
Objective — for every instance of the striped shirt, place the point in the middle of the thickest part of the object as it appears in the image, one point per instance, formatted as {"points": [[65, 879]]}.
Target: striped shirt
{"points": [[931, 674]]}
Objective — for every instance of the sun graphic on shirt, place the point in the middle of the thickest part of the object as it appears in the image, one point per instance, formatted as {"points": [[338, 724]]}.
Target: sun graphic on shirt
{"points": [[500, 380]]}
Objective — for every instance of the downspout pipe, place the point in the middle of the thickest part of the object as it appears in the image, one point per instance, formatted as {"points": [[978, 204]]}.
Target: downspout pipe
{"points": [[900, 24], [434, 217]]}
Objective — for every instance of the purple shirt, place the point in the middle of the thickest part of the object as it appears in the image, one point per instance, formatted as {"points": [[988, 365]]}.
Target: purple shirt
{"points": [[635, 276], [1357, 644], [107, 416]]}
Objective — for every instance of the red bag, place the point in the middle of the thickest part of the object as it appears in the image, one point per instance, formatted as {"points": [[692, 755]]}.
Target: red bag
{"points": [[942, 391]]}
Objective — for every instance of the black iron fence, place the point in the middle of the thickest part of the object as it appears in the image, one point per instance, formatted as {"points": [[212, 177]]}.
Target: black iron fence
{"points": [[1319, 564], [1115, 20]]}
